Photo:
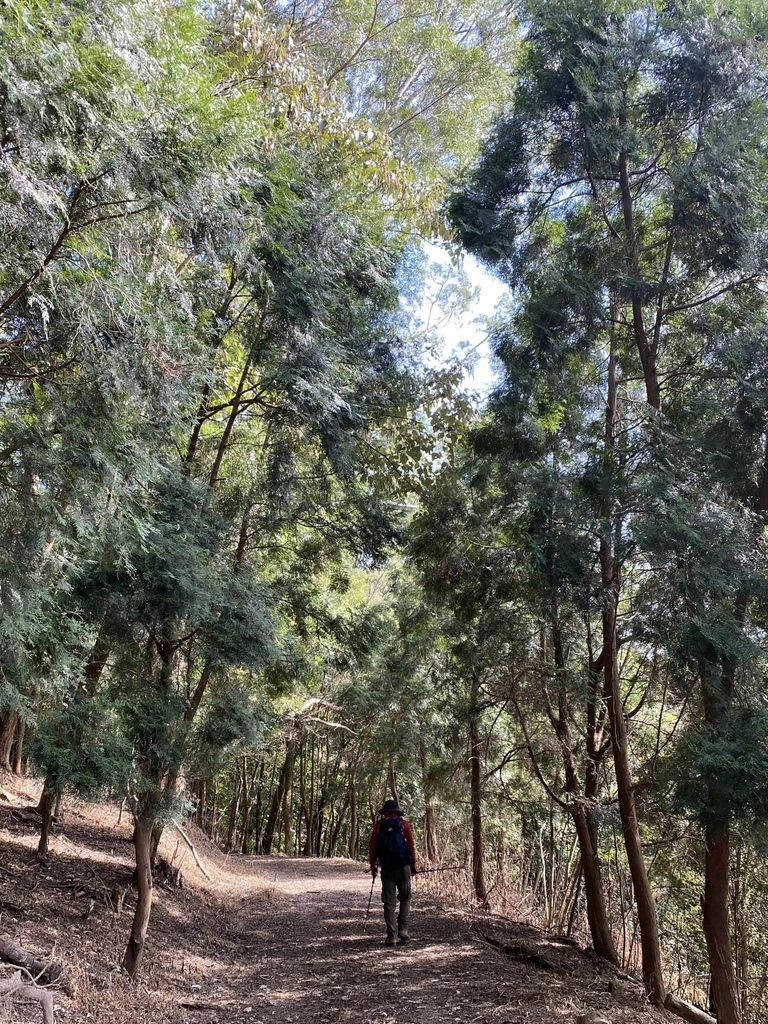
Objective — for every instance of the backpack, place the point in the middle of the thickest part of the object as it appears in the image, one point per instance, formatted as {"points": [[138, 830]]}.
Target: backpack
{"points": [[392, 847]]}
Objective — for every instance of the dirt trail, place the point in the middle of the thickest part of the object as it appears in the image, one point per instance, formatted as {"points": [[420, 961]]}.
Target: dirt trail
{"points": [[308, 960], [277, 941]]}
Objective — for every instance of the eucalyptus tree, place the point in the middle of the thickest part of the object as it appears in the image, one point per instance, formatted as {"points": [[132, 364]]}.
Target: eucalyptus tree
{"points": [[426, 75], [622, 196]]}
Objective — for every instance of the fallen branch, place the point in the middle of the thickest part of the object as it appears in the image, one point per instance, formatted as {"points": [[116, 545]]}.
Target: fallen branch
{"points": [[190, 1005], [46, 971], [16, 987], [687, 1011], [519, 950], [191, 845]]}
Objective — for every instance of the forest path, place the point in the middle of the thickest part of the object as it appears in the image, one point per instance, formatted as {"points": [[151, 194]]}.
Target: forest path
{"points": [[270, 940], [303, 958]]}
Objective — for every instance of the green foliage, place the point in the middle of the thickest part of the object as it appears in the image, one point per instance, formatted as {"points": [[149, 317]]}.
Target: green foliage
{"points": [[80, 745], [722, 774]]}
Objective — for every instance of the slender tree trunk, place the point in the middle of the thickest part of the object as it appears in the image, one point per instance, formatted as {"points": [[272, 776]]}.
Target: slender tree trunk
{"points": [[7, 734], [93, 671], [245, 818], [268, 837], [213, 818], [97, 662], [391, 781], [142, 841], [646, 349], [597, 913], [258, 809], [717, 689], [233, 808], [430, 823], [320, 823], [288, 807], [478, 853], [611, 580], [575, 903], [725, 998], [741, 933], [200, 806], [310, 806], [718, 697], [276, 807], [262, 801], [45, 807], [17, 752], [353, 823], [335, 832]]}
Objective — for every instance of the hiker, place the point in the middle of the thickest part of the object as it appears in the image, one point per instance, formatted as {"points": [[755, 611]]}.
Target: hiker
{"points": [[392, 848]]}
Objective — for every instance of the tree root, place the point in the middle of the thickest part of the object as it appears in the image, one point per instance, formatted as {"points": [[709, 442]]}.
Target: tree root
{"points": [[17, 986]]}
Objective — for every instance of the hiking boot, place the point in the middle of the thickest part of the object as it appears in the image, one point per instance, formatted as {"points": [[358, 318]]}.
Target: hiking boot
{"points": [[403, 937], [390, 940]]}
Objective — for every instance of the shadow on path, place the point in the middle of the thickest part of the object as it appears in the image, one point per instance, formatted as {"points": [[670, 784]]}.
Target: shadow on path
{"points": [[306, 960]]}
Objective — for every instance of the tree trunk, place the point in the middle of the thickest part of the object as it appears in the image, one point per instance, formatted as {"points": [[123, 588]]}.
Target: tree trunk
{"points": [[333, 840], [741, 933], [265, 847], [611, 579], [391, 782], [247, 798], [213, 817], [7, 734], [200, 806], [45, 807], [233, 808], [276, 806], [586, 833], [725, 998], [319, 823], [17, 751], [288, 808], [353, 822], [717, 689], [43, 971], [97, 662], [430, 824], [475, 754], [597, 914], [154, 846], [248, 825], [309, 804], [142, 841], [646, 349]]}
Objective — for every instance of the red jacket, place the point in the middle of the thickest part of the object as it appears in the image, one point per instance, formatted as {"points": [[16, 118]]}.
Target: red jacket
{"points": [[373, 845]]}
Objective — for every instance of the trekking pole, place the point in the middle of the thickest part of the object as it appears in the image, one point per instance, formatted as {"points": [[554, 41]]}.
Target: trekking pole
{"points": [[365, 923]]}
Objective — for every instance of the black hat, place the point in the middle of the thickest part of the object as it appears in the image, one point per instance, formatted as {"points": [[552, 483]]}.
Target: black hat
{"points": [[391, 807]]}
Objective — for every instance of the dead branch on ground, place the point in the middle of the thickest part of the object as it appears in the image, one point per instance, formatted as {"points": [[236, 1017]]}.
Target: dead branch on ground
{"points": [[16, 985]]}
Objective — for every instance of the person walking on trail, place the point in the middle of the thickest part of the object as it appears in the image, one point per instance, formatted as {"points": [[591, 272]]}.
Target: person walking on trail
{"points": [[393, 850]]}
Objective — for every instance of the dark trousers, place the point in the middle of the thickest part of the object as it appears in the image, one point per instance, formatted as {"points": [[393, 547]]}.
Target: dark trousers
{"points": [[396, 885]]}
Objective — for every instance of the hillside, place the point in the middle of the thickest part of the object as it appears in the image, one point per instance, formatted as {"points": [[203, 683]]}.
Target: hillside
{"points": [[271, 939]]}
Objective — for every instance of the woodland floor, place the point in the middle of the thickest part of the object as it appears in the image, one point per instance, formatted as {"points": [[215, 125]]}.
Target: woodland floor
{"points": [[272, 941]]}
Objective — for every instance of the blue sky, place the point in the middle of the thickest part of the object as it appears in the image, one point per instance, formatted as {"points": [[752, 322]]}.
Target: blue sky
{"points": [[458, 301]]}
